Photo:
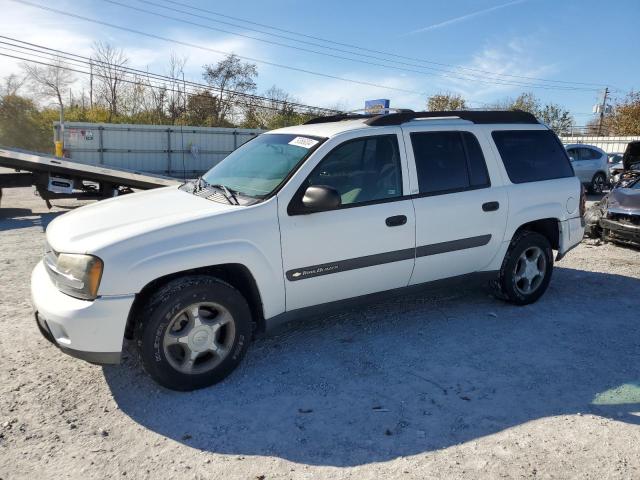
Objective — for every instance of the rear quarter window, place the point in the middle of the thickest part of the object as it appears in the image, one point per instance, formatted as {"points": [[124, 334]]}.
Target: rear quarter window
{"points": [[532, 155]]}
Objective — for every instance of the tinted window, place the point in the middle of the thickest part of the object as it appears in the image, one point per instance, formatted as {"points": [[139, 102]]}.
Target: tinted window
{"points": [[362, 170], [477, 165], [532, 155], [573, 153], [590, 154], [448, 161]]}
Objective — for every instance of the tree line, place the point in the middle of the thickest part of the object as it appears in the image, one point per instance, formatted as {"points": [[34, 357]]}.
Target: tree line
{"points": [[623, 118], [115, 93], [227, 97]]}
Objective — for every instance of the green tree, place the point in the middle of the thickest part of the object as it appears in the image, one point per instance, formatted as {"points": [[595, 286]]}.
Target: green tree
{"points": [[231, 79], [21, 125], [446, 101], [559, 119], [626, 115], [527, 102]]}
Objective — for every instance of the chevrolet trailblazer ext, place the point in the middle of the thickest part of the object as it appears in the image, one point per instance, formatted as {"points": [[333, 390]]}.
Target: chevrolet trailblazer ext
{"points": [[304, 216]]}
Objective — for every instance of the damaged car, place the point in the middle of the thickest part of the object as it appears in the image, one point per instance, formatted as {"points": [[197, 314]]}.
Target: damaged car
{"points": [[616, 217]]}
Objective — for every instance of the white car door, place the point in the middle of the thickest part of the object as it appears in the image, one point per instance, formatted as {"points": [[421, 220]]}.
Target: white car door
{"points": [[367, 243], [460, 215]]}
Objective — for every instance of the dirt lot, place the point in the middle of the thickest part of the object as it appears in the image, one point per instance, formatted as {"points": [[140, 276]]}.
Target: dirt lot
{"points": [[452, 384]]}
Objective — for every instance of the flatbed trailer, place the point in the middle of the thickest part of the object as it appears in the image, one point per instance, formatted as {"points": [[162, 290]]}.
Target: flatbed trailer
{"points": [[60, 178]]}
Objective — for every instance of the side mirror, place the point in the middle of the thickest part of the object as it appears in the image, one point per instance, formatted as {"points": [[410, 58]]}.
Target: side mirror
{"points": [[320, 197]]}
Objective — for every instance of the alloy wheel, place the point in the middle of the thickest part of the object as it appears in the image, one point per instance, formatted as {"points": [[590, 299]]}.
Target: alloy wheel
{"points": [[199, 337], [530, 270]]}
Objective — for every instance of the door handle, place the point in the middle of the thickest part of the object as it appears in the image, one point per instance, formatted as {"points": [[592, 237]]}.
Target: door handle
{"points": [[396, 221], [490, 206]]}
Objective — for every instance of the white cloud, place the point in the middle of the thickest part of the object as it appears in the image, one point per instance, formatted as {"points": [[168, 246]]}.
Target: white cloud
{"points": [[513, 58], [77, 36], [462, 18]]}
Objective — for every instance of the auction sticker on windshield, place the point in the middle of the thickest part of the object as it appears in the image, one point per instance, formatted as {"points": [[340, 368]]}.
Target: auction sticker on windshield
{"points": [[303, 142]]}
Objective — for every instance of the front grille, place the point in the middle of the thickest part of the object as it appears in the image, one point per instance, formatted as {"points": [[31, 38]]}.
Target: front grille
{"points": [[625, 218]]}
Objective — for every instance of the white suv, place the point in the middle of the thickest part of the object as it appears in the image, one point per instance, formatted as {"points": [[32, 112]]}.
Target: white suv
{"points": [[303, 217]]}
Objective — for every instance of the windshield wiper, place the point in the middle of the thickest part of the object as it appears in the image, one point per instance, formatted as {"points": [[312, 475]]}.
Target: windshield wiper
{"points": [[228, 194], [198, 184]]}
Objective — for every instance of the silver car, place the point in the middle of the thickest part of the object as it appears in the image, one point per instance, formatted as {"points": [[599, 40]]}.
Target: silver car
{"points": [[591, 166]]}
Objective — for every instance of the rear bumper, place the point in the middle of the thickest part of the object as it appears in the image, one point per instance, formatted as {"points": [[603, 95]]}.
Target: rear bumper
{"points": [[620, 232], [571, 233], [90, 330]]}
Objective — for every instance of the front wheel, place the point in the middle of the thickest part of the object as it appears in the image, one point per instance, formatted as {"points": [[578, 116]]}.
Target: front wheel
{"points": [[598, 183], [526, 270], [194, 332]]}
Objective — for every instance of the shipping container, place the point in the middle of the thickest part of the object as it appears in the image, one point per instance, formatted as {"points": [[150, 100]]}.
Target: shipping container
{"points": [[178, 151]]}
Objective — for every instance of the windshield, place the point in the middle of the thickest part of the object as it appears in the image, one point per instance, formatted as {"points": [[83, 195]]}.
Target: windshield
{"points": [[259, 166]]}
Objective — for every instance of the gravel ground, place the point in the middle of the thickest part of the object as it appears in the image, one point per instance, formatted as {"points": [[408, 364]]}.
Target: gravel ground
{"points": [[446, 384]]}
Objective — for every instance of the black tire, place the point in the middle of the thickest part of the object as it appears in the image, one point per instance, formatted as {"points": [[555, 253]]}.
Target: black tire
{"points": [[598, 183], [506, 286], [159, 312]]}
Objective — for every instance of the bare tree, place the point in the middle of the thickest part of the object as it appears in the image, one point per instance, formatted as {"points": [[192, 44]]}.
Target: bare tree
{"points": [[175, 94], [11, 84], [109, 63], [51, 82], [156, 99], [230, 79]]}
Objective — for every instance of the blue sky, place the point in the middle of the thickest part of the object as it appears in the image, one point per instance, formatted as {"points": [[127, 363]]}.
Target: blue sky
{"points": [[591, 42]]}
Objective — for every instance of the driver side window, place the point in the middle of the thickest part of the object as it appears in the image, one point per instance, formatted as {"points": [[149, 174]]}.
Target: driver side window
{"points": [[362, 170]]}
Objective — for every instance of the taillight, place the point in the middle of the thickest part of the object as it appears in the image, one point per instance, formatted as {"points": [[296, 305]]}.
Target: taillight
{"points": [[583, 201]]}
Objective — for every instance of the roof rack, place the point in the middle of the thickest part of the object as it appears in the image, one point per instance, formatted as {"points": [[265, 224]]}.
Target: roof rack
{"points": [[354, 115], [401, 116], [475, 116]]}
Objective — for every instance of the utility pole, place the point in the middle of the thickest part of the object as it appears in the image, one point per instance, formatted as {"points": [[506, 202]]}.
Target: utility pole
{"points": [[602, 109], [90, 83]]}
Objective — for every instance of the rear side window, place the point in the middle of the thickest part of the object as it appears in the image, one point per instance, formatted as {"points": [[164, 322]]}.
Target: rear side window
{"points": [[532, 155], [448, 162], [590, 154]]}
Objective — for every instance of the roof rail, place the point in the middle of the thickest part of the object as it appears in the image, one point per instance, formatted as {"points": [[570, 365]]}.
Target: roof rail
{"points": [[338, 118], [353, 115], [400, 116], [475, 116]]}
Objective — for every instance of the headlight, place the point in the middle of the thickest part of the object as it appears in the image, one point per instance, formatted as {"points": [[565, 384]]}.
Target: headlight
{"points": [[75, 274]]}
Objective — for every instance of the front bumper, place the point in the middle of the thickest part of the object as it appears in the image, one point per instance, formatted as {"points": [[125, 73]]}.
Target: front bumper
{"points": [[90, 330], [620, 232]]}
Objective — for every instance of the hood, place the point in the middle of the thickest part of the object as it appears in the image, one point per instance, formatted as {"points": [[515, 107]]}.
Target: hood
{"points": [[631, 157], [89, 228], [625, 200]]}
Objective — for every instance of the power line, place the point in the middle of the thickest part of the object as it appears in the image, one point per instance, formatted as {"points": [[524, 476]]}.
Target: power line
{"points": [[72, 57], [348, 45], [220, 52], [148, 77], [445, 73], [133, 82]]}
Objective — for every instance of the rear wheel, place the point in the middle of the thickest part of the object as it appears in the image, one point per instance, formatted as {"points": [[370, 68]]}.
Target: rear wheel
{"points": [[194, 333], [526, 270], [598, 183]]}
